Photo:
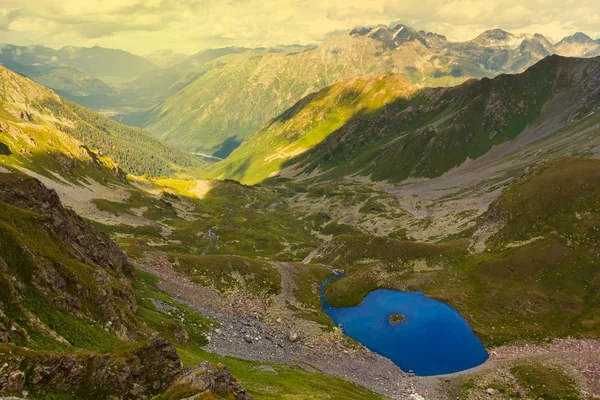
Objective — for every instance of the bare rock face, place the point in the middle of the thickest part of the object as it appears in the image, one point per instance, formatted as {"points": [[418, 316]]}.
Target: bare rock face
{"points": [[89, 246], [137, 375]]}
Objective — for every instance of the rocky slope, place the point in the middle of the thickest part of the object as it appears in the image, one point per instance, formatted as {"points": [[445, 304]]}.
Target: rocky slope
{"points": [[69, 321], [420, 133], [52, 259], [578, 45]]}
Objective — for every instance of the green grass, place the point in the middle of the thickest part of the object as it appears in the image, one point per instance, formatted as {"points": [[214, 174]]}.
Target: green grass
{"points": [[529, 291], [32, 255], [174, 318], [309, 123], [559, 197], [398, 135], [289, 383], [528, 378], [544, 382], [224, 272]]}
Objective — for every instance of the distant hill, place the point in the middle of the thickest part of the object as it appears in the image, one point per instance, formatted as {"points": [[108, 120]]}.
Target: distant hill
{"points": [[85, 75], [42, 131], [384, 128], [165, 58], [100, 62]]}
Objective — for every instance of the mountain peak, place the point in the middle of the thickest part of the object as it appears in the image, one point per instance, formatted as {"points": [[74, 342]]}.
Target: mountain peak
{"points": [[493, 37], [577, 37], [496, 33], [392, 37], [578, 45]]}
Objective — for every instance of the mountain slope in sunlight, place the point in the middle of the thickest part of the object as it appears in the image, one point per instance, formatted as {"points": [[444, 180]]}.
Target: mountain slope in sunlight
{"points": [[429, 133], [224, 100], [309, 122]]}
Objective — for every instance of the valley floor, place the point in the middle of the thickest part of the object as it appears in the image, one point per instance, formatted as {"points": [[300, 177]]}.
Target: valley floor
{"points": [[265, 331], [270, 311]]}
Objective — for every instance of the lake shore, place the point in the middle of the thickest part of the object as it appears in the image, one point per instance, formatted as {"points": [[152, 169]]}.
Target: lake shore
{"points": [[264, 330]]}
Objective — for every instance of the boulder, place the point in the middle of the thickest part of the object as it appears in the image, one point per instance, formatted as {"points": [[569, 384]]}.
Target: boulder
{"points": [[217, 379]]}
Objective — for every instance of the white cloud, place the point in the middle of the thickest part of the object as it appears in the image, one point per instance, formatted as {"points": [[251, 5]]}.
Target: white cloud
{"points": [[142, 26]]}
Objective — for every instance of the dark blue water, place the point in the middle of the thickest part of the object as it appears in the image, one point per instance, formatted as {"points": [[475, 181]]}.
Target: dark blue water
{"points": [[434, 339]]}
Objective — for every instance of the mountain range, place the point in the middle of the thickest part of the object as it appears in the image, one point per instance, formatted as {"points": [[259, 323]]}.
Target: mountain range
{"points": [[385, 128], [209, 102], [236, 95]]}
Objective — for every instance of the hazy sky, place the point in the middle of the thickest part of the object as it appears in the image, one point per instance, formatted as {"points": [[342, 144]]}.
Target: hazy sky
{"points": [[142, 26]]}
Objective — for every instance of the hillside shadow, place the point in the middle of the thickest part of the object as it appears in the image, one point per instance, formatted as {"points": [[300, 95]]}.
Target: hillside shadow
{"points": [[227, 147], [4, 150], [347, 98]]}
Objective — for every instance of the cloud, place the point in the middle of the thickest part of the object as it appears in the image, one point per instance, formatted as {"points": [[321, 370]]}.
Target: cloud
{"points": [[7, 16], [142, 26]]}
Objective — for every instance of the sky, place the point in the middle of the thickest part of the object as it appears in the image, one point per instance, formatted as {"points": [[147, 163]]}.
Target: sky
{"points": [[188, 26]]}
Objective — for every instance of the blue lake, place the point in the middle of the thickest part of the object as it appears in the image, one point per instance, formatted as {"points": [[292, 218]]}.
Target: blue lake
{"points": [[434, 338]]}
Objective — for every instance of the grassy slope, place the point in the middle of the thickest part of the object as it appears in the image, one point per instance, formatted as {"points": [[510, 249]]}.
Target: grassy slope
{"points": [[52, 300], [238, 94], [23, 234], [308, 123], [530, 379], [42, 126], [423, 135], [235, 95], [518, 289], [230, 219]]}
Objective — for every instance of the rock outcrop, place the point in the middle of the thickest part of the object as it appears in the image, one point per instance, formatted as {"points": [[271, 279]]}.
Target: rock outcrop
{"points": [[89, 245], [138, 374], [55, 267], [207, 378]]}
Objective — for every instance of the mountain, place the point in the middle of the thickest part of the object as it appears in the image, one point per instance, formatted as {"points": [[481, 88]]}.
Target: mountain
{"points": [[155, 86], [231, 97], [104, 63], [97, 62], [76, 319], [411, 132], [488, 220], [165, 58], [84, 75], [215, 112], [308, 123], [578, 45], [38, 63], [42, 129], [394, 37]]}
